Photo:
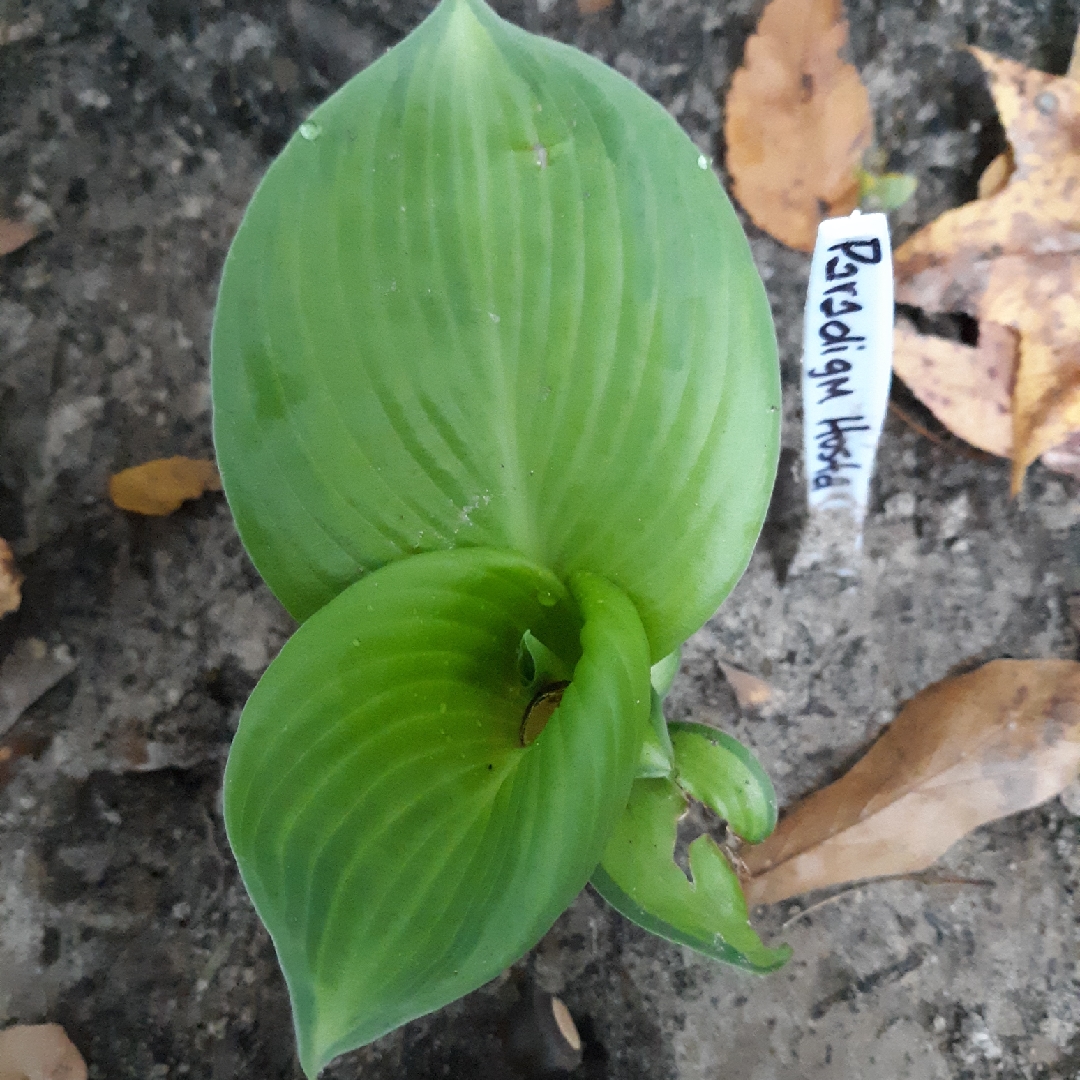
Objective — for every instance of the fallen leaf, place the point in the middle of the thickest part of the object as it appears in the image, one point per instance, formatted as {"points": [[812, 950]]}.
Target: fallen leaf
{"points": [[1065, 458], [159, 487], [797, 122], [28, 671], [750, 691], [1013, 258], [10, 581], [591, 7], [996, 175], [13, 234], [963, 752], [967, 387], [39, 1052]]}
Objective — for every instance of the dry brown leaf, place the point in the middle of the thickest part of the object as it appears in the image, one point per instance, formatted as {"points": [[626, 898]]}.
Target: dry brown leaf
{"points": [[963, 752], [591, 7], [39, 1052], [996, 175], [968, 388], [13, 234], [1065, 458], [797, 122], [10, 581], [159, 487], [750, 691], [1013, 258]]}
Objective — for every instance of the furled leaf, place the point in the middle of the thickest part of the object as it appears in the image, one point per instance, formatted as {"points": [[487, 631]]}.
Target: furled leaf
{"points": [[39, 1052], [640, 879], [963, 752], [14, 234], [797, 122], [1013, 258], [664, 672], [10, 580], [720, 772], [398, 840], [157, 488], [492, 295]]}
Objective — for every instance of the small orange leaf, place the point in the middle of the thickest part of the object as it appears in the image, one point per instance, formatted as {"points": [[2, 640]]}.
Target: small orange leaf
{"points": [[39, 1052], [13, 234], [10, 581], [159, 487], [591, 7], [750, 691], [963, 752], [798, 122]]}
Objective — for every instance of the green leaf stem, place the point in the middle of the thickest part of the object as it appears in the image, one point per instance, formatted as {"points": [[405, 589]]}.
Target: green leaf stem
{"points": [[398, 841]]}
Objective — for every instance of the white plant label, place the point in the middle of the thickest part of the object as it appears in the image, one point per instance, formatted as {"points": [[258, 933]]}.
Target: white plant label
{"points": [[847, 362]]}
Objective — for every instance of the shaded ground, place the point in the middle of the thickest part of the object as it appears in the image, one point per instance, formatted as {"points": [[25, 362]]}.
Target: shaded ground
{"points": [[135, 131]]}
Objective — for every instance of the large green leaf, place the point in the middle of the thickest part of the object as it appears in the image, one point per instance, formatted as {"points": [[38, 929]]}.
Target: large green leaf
{"points": [[639, 877], [398, 840], [492, 295]]}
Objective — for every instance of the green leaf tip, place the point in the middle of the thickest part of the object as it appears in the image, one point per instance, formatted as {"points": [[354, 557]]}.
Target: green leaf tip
{"points": [[400, 845]]}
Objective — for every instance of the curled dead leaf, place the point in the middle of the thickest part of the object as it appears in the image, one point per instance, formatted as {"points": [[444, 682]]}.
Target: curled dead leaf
{"points": [[10, 581], [797, 122], [158, 487], [750, 691], [39, 1052], [1013, 257], [14, 234], [996, 175], [963, 752]]}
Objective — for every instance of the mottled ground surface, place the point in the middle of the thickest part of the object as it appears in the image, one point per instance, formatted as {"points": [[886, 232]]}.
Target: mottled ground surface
{"points": [[134, 131]]}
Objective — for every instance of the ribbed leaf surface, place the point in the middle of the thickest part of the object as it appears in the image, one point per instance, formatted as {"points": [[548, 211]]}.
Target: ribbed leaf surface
{"points": [[491, 295], [399, 842]]}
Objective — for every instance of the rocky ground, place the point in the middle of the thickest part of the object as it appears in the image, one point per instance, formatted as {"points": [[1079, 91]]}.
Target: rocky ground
{"points": [[133, 132]]}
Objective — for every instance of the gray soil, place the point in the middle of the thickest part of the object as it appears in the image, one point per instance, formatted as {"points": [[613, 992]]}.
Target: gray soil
{"points": [[134, 131]]}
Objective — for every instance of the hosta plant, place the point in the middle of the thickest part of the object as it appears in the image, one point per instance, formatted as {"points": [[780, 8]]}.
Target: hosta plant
{"points": [[496, 407]]}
